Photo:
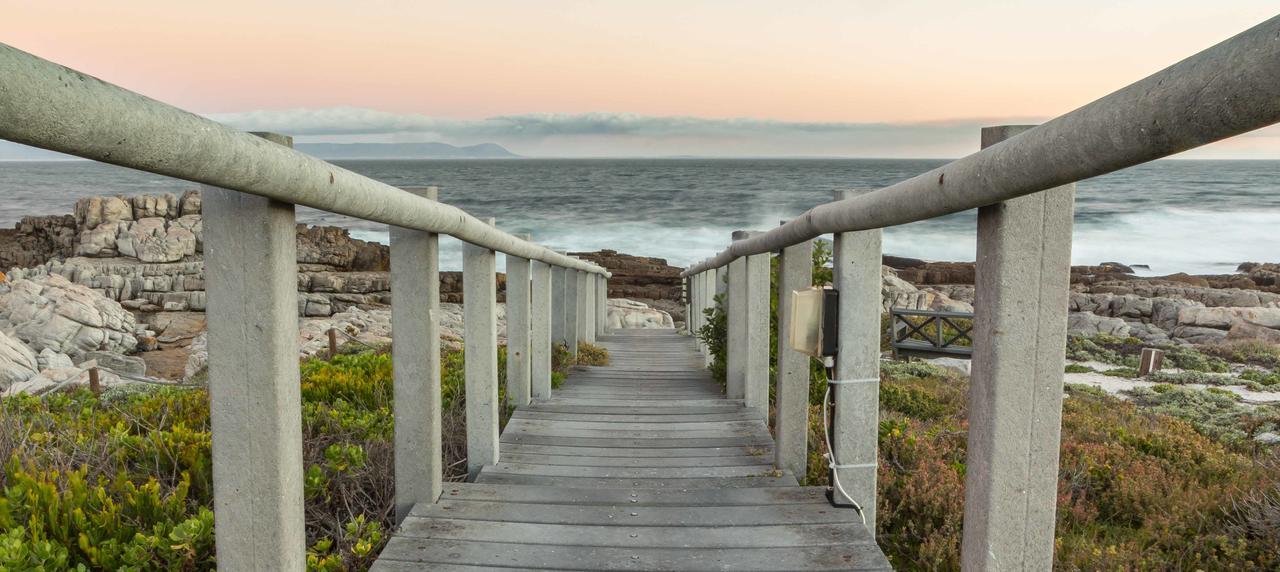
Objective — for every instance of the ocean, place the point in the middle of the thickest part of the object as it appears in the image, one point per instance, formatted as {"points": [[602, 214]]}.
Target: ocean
{"points": [[1171, 215]]}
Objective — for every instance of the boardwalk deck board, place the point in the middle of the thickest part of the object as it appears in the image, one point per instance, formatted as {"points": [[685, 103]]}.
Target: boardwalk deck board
{"points": [[639, 465]]}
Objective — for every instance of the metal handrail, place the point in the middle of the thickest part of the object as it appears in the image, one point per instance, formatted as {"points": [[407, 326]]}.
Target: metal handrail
{"points": [[1228, 89], [53, 107]]}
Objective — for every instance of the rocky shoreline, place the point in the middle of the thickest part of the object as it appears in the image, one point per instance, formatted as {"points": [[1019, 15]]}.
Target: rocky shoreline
{"points": [[119, 284]]}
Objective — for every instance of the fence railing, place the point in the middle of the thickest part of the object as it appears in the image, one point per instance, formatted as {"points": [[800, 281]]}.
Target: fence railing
{"points": [[1023, 184], [251, 184], [930, 333]]}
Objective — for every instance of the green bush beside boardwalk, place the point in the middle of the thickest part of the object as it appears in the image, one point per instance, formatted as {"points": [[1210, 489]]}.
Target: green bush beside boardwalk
{"points": [[122, 481], [1170, 480]]}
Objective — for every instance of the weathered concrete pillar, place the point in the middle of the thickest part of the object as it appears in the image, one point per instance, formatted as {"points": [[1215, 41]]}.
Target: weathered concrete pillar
{"points": [[540, 339], [255, 400], [518, 332], [602, 305], [559, 303], [736, 346], [756, 373], [480, 342], [791, 453], [1015, 394], [695, 303], [588, 323], [415, 358], [572, 335], [583, 298], [720, 287], [856, 266], [687, 284]]}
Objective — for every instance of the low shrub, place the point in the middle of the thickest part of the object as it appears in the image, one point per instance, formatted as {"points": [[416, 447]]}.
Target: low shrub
{"points": [[123, 481]]}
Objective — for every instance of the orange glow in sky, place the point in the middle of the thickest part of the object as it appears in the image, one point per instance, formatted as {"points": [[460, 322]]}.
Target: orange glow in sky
{"points": [[814, 61]]}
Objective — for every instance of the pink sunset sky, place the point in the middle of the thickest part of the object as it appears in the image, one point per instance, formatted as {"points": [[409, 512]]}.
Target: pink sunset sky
{"points": [[908, 78]]}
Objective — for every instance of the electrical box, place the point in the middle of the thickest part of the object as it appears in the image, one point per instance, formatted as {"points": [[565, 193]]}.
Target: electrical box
{"points": [[814, 324]]}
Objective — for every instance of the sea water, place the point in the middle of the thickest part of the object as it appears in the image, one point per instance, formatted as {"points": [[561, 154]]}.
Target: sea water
{"points": [[1170, 215]]}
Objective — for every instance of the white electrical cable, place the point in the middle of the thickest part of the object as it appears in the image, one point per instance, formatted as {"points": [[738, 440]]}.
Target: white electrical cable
{"points": [[831, 455]]}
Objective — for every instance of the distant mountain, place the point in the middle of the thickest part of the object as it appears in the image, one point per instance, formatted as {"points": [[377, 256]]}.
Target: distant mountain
{"points": [[14, 152], [404, 151]]}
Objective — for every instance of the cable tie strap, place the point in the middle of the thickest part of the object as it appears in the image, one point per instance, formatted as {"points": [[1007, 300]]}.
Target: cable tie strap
{"points": [[852, 381]]}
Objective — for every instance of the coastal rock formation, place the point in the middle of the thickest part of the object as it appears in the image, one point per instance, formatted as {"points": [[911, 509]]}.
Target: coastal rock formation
{"points": [[624, 313], [17, 362], [898, 293], [37, 239], [637, 276], [53, 313]]}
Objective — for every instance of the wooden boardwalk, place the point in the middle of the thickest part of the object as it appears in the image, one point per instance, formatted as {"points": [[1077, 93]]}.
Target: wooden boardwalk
{"points": [[639, 465]]}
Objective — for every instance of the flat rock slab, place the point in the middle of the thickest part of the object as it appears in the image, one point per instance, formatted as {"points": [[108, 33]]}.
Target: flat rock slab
{"points": [[639, 465]]}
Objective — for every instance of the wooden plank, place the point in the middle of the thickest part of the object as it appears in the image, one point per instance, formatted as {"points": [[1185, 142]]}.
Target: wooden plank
{"points": [[637, 536], [743, 425], [523, 413], [563, 494], [711, 483], [862, 556], [634, 452], [699, 472], [628, 515], [634, 462], [657, 443]]}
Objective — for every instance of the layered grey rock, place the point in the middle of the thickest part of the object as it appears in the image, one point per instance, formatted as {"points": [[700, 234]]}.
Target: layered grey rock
{"points": [[51, 312], [17, 362]]}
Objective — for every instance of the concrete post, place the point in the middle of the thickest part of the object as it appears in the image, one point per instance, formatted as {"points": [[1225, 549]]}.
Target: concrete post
{"points": [[480, 342], [415, 358], [721, 288], [602, 305], [583, 299], [857, 392], [255, 400], [756, 373], [518, 342], [695, 302], [736, 346], [540, 339], [588, 323], [571, 310], [1015, 396], [791, 453], [559, 293]]}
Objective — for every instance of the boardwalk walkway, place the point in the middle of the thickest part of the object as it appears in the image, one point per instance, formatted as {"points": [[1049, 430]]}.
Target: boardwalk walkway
{"points": [[639, 465]]}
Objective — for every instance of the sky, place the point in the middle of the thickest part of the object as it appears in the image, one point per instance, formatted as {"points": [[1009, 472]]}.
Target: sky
{"points": [[860, 78]]}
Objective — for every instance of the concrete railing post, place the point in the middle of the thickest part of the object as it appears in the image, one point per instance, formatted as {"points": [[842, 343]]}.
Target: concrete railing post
{"points": [[480, 342], [602, 304], [540, 327], [586, 323], [1015, 395], [694, 285], [736, 344], [415, 358], [791, 453], [518, 331], [572, 307], [255, 400], [756, 368], [856, 266], [559, 291]]}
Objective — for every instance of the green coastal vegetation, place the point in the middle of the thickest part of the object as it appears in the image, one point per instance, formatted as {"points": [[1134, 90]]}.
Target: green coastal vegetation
{"points": [[1170, 478], [122, 480]]}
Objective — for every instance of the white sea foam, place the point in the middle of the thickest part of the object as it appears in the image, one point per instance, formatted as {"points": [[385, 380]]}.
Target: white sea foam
{"points": [[1166, 240]]}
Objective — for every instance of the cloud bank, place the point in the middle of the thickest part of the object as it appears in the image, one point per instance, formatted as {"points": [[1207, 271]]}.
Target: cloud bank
{"points": [[627, 134], [624, 134]]}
